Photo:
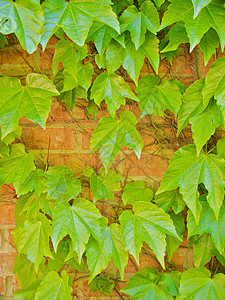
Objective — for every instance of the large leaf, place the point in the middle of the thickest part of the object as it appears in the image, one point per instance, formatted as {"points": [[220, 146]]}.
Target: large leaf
{"points": [[54, 287], [210, 16], [110, 135], [187, 171], [79, 221], [149, 224], [138, 22], [25, 18], [34, 182], [32, 101], [111, 88], [216, 228], [155, 97], [145, 285], [16, 167], [136, 191], [27, 293], [197, 284], [104, 185], [76, 18], [198, 5], [169, 199], [60, 185], [32, 239], [208, 44]]}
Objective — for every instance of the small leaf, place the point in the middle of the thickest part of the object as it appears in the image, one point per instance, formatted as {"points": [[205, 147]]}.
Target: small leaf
{"points": [[136, 191], [208, 44], [104, 285], [34, 182], [27, 293], [170, 199]]}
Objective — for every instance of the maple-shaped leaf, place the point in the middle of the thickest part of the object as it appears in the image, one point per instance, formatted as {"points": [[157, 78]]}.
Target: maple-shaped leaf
{"points": [[60, 184], [169, 199], [66, 52], [196, 283], [137, 22], [145, 285], [210, 16], [32, 239], [155, 97], [214, 83], [34, 182], [216, 228], [171, 281], [16, 167], [117, 5], [208, 44], [105, 184], [192, 111], [149, 224], [198, 5], [136, 191], [111, 88], [187, 171], [32, 101], [76, 18], [104, 285], [26, 19], [27, 293], [25, 271], [110, 135], [7, 140], [80, 220], [54, 287]]}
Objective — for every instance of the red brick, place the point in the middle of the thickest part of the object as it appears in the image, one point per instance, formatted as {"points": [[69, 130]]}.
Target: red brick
{"points": [[7, 214], [7, 263], [2, 289]]}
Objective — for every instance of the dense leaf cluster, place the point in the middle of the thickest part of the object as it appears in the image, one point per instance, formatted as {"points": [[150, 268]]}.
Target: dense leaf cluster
{"points": [[57, 230]]}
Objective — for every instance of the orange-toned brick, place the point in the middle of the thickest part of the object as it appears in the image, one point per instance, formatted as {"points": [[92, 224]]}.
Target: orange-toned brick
{"points": [[2, 289], [7, 214], [7, 263]]}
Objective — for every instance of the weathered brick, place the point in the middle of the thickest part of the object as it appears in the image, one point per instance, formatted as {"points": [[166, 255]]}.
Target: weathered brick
{"points": [[7, 214], [2, 289]]}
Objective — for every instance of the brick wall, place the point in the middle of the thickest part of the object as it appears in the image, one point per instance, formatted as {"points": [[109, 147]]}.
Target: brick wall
{"points": [[66, 141]]}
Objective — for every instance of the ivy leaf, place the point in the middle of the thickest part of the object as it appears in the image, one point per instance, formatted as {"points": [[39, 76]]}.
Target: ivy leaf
{"points": [[27, 293], [169, 199], [32, 101], [197, 283], [115, 53], [32, 239], [214, 83], [25, 271], [79, 221], [85, 72], [54, 287], [34, 182], [155, 97], [8, 139], [144, 285], [187, 171], [136, 191], [60, 185], [210, 16], [104, 285], [220, 148], [216, 228], [110, 135], [119, 4], [192, 111], [113, 89], [208, 44], [26, 19], [198, 5], [138, 22], [104, 185], [76, 18], [171, 281], [16, 167], [149, 224]]}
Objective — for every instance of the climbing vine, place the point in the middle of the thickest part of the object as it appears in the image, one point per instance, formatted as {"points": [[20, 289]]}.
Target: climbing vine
{"points": [[102, 46]]}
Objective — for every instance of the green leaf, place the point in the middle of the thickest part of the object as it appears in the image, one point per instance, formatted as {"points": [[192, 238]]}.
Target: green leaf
{"points": [[111, 88], [85, 72], [16, 167], [7, 140], [144, 285], [34, 182], [26, 19], [136, 191], [79, 221], [60, 185], [169, 199], [54, 287], [150, 47], [197, 284], [117, 133], [220, 147], [104, 285], [149, 224], [155, 97], [32, 101], [210, 16], [32, 239], [138, 22], [208, 44], [119, 4], [171, 281], [104, 185], [198, 5], [28, 293], [25, 271], [192, 111], [216, 228], [214, 83], [115, 53], [187, 171], [76, 18]]}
